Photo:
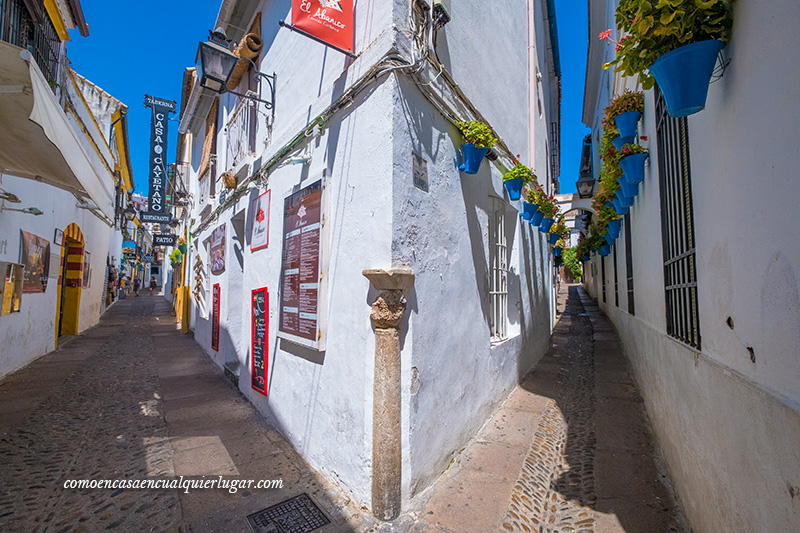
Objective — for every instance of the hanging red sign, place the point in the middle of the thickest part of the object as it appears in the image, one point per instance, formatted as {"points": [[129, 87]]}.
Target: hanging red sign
{"points": [[330, 21]]}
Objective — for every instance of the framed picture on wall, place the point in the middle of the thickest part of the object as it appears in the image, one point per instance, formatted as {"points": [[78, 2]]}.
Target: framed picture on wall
{"points": [[58, 238], [259, 221], [86, 269]]}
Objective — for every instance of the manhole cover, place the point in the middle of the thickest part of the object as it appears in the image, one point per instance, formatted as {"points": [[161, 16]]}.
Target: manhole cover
{"points": [[298, 515]]}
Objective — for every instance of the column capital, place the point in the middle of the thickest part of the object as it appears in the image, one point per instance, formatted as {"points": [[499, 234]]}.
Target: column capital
{"points": [[396, 278]]}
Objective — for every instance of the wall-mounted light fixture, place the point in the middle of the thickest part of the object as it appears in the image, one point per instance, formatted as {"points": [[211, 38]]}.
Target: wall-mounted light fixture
{"points": [[215, 64], [9, 197], [28, 210]]}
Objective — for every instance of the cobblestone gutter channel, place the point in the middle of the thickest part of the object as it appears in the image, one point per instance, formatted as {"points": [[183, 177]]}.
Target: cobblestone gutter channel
{"points": [[102, 422], [555, 489]]}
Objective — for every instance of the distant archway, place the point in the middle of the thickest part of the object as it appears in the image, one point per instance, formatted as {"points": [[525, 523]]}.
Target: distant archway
{"points": [[68, 300]]}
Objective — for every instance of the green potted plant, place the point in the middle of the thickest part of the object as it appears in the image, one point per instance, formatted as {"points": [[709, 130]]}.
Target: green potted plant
{"points": [[547, 206], [674, 42], [532, 196], [479, 139], [632, 164], [175, 257], [516, 178], [625, 110], [557, 230]]}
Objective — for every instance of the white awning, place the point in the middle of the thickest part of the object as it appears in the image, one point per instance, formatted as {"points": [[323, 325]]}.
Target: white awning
{"points": [[36, 138]]}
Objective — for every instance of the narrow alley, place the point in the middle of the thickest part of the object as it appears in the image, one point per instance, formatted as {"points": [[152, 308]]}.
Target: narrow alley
{"points": [[132, 398]]}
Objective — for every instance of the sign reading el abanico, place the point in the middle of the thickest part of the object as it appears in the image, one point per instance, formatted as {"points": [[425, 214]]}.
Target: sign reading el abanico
{"points": [[328, 20]]}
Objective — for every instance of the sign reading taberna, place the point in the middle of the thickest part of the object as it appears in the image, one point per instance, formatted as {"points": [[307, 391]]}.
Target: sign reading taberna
{"points": [[330, 21], [156, 201]]}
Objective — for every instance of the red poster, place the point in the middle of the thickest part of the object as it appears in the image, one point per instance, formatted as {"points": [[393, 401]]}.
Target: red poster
{"points": [[259, 331], [215, 318], [328, 20]]}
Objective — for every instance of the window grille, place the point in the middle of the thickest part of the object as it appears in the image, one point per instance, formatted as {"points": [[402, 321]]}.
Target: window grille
{"points": [[677, 226], [41, 40], [629, 263], [616, 278], [498, 283], [603, 276]]}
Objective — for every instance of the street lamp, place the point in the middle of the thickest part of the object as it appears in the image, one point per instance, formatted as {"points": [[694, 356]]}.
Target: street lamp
{"points": [[130, 213], [585, 186], [215, 64]]}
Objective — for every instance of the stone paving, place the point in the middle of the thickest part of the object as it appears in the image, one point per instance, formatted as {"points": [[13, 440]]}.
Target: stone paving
{"points": [[132, 398], [570, 451]]}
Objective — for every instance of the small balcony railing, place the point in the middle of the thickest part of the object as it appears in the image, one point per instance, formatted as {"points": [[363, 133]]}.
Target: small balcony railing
{"points": [[18, 27], [241, 133]]}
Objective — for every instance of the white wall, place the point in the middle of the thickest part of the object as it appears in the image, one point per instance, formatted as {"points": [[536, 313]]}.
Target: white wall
{"points": [[26, 335], [322, 401], [723, 420]]}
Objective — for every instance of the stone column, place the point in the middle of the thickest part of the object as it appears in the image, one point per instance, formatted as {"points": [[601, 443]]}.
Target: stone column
{"points": [[387, 311]]}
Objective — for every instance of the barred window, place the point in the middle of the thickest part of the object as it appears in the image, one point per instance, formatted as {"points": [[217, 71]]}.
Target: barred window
{"points": [[677, 226], [629, 263], [498, 280]]}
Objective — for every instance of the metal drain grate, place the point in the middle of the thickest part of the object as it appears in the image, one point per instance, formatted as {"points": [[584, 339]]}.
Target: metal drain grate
{"points": [[297, 515]]}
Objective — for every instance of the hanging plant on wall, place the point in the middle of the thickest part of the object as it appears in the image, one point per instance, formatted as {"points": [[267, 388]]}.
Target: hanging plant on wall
{"points": [[479, 139], [516, 178], [674, 42], [625, 110]]}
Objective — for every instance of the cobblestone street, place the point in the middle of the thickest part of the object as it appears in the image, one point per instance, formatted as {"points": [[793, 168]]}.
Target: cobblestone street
{"points": [[132, 398], [570, 451]]}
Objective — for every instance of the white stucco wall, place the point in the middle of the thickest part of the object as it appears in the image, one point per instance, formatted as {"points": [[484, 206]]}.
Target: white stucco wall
{"points": [[322, 401], [26, 335], [729, 426]]}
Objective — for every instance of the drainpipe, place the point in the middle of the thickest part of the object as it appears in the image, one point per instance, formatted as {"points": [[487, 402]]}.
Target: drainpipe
{"points": [[387, 312]]}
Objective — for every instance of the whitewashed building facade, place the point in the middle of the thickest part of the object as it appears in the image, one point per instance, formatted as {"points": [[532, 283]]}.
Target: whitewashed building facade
{"points": [[376, 133], [715, 351]]}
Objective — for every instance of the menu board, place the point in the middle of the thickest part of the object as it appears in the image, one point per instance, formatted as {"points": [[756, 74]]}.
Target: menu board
{"points": [[35, 257], [259, 324], [300, 267], [215, 318]]}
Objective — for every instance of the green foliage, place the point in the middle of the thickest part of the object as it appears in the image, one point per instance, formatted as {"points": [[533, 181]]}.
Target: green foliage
{"points": [[622, 103], [559, 228], [630, 149], [656, 27], [477, 133], [547, 204], [571, 261], [520, 171], [175, 257]]}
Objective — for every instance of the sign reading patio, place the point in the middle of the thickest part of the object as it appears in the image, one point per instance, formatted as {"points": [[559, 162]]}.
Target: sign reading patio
{"points": [[156, 205], [300, 270], [328, 21], [258, 341]]}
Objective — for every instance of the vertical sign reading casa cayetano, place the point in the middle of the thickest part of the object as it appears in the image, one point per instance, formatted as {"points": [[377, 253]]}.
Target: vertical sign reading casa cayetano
{"points": [[330, 21], [156, 202], [300, 268], [258, 339]]}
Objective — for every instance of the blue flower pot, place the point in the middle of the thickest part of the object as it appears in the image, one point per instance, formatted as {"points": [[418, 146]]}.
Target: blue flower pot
{"points": [[626, 201], [547, 223], [514, 187], [556, 251], [614, 226], [537, 217], [553, 238], [610, 239], [528, 209], [627, 123], [472, 158], [683, 76], [585, 258], [619, 208], [609, 204], [628, 189], [633, 167], [605, 250]]}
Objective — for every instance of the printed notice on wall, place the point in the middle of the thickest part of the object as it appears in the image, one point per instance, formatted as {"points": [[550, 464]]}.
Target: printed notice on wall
{"points": [[259, 322], [300, 268]]}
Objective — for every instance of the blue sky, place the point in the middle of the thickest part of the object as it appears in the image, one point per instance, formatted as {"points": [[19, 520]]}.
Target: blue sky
{"points": [[137, 48], [141, 47]]}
